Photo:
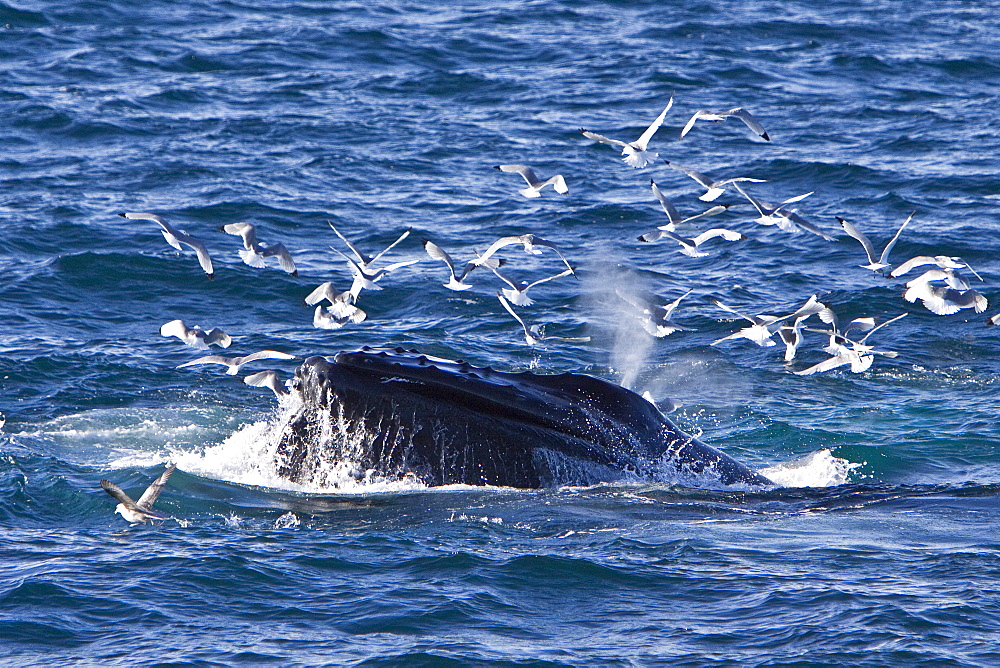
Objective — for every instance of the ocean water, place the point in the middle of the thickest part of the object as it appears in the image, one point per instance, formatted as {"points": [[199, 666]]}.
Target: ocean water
{"points": [[879, 544]]}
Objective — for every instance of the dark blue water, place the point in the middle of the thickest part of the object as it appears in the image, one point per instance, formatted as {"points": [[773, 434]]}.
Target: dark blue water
{"points": [[880, 545]]}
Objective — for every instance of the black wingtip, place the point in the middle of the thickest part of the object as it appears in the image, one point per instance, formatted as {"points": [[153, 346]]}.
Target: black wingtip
{"points": [[765, 137], [122, 215], [496, 166]]}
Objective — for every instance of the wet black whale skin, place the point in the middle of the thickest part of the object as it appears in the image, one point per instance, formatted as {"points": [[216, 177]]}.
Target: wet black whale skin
{"points": [[394, 413]]}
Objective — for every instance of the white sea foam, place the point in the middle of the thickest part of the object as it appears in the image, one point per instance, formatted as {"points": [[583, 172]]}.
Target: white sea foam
{"points": [[817, 469]]}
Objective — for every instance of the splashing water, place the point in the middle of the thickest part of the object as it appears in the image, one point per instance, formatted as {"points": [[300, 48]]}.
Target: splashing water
{"points": [[817, 469]]}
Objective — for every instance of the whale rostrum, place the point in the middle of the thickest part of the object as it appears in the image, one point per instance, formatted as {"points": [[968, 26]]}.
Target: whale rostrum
{"points": [[394, 414]]}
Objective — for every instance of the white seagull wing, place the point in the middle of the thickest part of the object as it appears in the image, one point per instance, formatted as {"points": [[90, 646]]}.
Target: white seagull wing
{"points": [[210, 359], [362, 257], [438, 253], [526, 172], [601, 138], [668, 208], [284, 257], [888, 247], [749, 120], [728, 235], [648, 133], [855, 233], [402, 236]]}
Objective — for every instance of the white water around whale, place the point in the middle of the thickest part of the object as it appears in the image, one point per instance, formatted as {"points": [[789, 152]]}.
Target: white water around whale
{"points": [[241, 449]]}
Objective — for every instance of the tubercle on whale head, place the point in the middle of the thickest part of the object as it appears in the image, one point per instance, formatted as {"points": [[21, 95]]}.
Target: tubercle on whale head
{"points": [[402, 358]]}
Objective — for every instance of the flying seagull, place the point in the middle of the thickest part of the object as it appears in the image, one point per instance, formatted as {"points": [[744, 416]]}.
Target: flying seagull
{"points": [[177, 237], [763, 327], [882, 263], [456, 281], [532, 244], [196, 337], [141, 511], [859, 355], [254, 252], [791, 336], [335, 318], [690, 246], [674, 216], [942, 261], [713, 188], [838, 336], [535, 334], [946, 299], [535, 184], [364, 260], [340, 311], [235, 363], [656, 319], [738, 112], [518, 291], [635, 152], [328, 292], [785, 218], [364, 279], [268, 379]]}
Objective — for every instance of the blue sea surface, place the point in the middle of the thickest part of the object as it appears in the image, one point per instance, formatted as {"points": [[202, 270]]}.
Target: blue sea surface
{"points": [[879, 545]]}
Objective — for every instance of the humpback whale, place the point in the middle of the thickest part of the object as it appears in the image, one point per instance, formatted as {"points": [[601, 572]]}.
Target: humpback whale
{"points": [[395, 414]]}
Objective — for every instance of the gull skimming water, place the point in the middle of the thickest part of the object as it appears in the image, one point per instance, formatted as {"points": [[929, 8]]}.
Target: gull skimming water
{"points": [[532, 244], [785, 218], [141, 511], [656, 320], [517, 293], [689, 246]]}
